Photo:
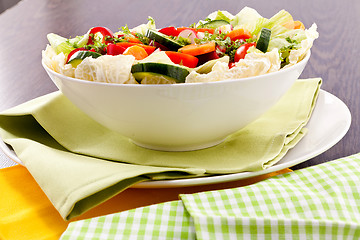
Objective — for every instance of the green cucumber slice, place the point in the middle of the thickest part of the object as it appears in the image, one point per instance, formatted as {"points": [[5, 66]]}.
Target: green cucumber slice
{"points": [[153, 78], [75, 62], [177, 73], [163, 40], [77, 57], [264, 39], [215, 24]]}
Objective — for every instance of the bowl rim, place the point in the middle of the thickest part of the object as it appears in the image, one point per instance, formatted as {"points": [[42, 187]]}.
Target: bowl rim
{"points": [[131, 85]]}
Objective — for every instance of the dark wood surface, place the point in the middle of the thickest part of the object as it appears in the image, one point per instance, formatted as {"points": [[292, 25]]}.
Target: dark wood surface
{"points": [[335, 55]]}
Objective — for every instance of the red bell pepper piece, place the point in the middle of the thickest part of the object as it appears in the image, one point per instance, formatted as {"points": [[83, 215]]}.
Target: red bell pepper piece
{"points": [[170, 31], [113, 49], [182, 59]]}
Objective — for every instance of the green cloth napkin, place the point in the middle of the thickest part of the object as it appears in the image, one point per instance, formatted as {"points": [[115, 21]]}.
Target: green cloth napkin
{"points": [[68, 153], [320, 202]]}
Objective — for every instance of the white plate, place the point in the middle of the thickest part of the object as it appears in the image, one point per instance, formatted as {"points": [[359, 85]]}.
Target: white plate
{"points": [[329, 123]]}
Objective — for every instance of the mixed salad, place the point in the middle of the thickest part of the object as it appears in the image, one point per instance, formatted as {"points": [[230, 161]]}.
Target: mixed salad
{"points": [[222, 46]]}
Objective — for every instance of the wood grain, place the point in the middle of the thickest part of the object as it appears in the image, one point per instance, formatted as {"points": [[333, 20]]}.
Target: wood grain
{"points": [[335, 55]]}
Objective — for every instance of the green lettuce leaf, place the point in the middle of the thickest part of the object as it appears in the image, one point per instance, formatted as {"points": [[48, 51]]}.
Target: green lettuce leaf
{"points": [[142, 29], [247, 19], [64, 45], [251, 20], [220, 15], [282, 40], [223, 15], [276, 23]]}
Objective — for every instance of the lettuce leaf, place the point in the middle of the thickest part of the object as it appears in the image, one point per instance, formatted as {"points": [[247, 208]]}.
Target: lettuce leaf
{"points": [[64, 45], [246, 18], [277, 23], [251, 20], [142, 29], [220, 15]]}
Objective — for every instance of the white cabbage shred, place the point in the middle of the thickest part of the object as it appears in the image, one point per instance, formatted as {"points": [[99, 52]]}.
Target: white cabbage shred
{"points": [[254, 64], [297, 55], [107, 68], [57, 62]]}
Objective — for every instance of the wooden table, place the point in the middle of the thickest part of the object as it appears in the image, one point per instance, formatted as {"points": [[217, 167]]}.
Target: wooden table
{"points": [[335, 55]]}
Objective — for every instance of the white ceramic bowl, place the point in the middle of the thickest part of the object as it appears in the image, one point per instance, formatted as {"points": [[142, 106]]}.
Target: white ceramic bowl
{"points": [[178, 117]]}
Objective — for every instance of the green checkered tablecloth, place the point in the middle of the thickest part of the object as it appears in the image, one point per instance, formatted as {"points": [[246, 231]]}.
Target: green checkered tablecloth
{"points": [[320, 202]]}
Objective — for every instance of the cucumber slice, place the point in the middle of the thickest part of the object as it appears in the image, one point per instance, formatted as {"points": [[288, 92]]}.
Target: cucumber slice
{"points": [[264, 39], [153, 78], [75, 62], [177, 73], [215, 24], [77, 57], [163, 40]]}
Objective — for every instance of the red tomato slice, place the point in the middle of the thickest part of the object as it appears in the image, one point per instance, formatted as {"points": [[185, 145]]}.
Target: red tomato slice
{"points": [[242, 50], [75, 50], [72, 53], [103, 30], [182, 59], [231, 64]]}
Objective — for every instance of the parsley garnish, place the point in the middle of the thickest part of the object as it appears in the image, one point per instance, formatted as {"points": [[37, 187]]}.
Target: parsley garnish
{"points": [[285, 51], [125, 30], [151, 20], [224, 44]]}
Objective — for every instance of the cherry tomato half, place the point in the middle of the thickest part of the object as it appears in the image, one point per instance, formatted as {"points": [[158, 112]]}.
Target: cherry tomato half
{"points": [[242, 50]]}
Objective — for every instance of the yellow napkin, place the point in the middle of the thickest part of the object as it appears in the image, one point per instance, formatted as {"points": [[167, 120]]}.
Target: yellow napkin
{"points": [[65, 150], [26, 212]]}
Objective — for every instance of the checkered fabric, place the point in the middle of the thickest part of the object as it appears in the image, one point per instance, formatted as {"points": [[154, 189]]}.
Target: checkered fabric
{"points": [[320, 202], [161, 221]]}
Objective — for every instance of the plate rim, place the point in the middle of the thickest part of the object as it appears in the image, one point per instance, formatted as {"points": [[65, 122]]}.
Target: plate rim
{"points": [[208, 180], [243, 175]]}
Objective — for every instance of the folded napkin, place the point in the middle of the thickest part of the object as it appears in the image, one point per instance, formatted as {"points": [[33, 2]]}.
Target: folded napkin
{"points": [[320, 202], [26, 212], [66, 151]]}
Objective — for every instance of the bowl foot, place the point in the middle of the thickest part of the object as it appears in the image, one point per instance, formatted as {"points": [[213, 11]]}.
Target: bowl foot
{"points": [[180, 148]]}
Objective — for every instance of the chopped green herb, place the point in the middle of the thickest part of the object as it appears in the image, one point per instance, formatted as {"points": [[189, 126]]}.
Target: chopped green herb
{"points": [[151, 20], [143, 38], [125, 30], [183, 41], [285, 51]]}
